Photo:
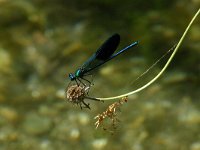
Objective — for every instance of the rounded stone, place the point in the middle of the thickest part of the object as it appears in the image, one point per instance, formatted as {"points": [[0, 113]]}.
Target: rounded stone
{"points": [[36, 125]]}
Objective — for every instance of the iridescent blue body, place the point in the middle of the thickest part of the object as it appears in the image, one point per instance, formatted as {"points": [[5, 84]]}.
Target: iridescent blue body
{"points": [[101, 56]]}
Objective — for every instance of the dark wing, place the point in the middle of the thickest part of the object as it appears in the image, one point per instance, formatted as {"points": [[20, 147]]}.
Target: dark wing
{"points": [[102, 54], [105, 53], [108, 47]]}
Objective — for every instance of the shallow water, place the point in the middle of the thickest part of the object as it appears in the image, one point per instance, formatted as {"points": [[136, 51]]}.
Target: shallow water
{"points": [[42, 41]]}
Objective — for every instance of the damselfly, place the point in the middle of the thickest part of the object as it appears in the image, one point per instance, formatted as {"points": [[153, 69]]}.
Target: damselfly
{"points": [[101, 56]]}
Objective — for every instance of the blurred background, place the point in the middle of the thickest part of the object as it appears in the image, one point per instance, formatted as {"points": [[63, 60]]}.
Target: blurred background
{"points": [[41, 42]]}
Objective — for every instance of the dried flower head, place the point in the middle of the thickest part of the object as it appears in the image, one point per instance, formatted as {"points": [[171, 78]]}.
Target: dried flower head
{"points": [[111, 113], [76, 94]]}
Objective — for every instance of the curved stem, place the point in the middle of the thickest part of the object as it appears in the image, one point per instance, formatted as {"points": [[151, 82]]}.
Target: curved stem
{"points": [[163, 69]]}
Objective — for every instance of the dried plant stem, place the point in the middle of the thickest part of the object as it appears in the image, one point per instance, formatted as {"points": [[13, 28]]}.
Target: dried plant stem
{"points": [[163, 69]]}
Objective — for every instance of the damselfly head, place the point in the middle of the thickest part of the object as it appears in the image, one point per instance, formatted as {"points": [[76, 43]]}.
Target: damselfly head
{"points": [[72, 77]]}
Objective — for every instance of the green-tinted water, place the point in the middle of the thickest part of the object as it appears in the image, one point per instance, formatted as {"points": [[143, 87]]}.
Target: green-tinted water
{"points": [[42, 41]]}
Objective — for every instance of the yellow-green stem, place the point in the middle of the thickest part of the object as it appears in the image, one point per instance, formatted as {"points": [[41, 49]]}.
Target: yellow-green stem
{"points": [[163, 69]]}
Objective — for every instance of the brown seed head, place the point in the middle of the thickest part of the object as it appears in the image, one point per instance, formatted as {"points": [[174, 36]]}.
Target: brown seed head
{"points": [[76, 94], [110, 113]]}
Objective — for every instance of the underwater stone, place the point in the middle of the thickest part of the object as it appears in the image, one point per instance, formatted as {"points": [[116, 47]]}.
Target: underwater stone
{"points": [[5, 61], [195, 146], [99, 143], [74, 134], [9, 114], [35, 124], [83, 118]]}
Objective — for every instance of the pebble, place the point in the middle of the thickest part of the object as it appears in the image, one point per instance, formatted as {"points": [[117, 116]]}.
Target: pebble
{"points": [[45, 145], [175, 77], [107, 70], [74, 133], [7, 133], [99, 143], [196, 2], [9, 114], [83, 118], [35, 124], [195, 146], [5, 61], [60, 93], [153, 89], [190, 117]]}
